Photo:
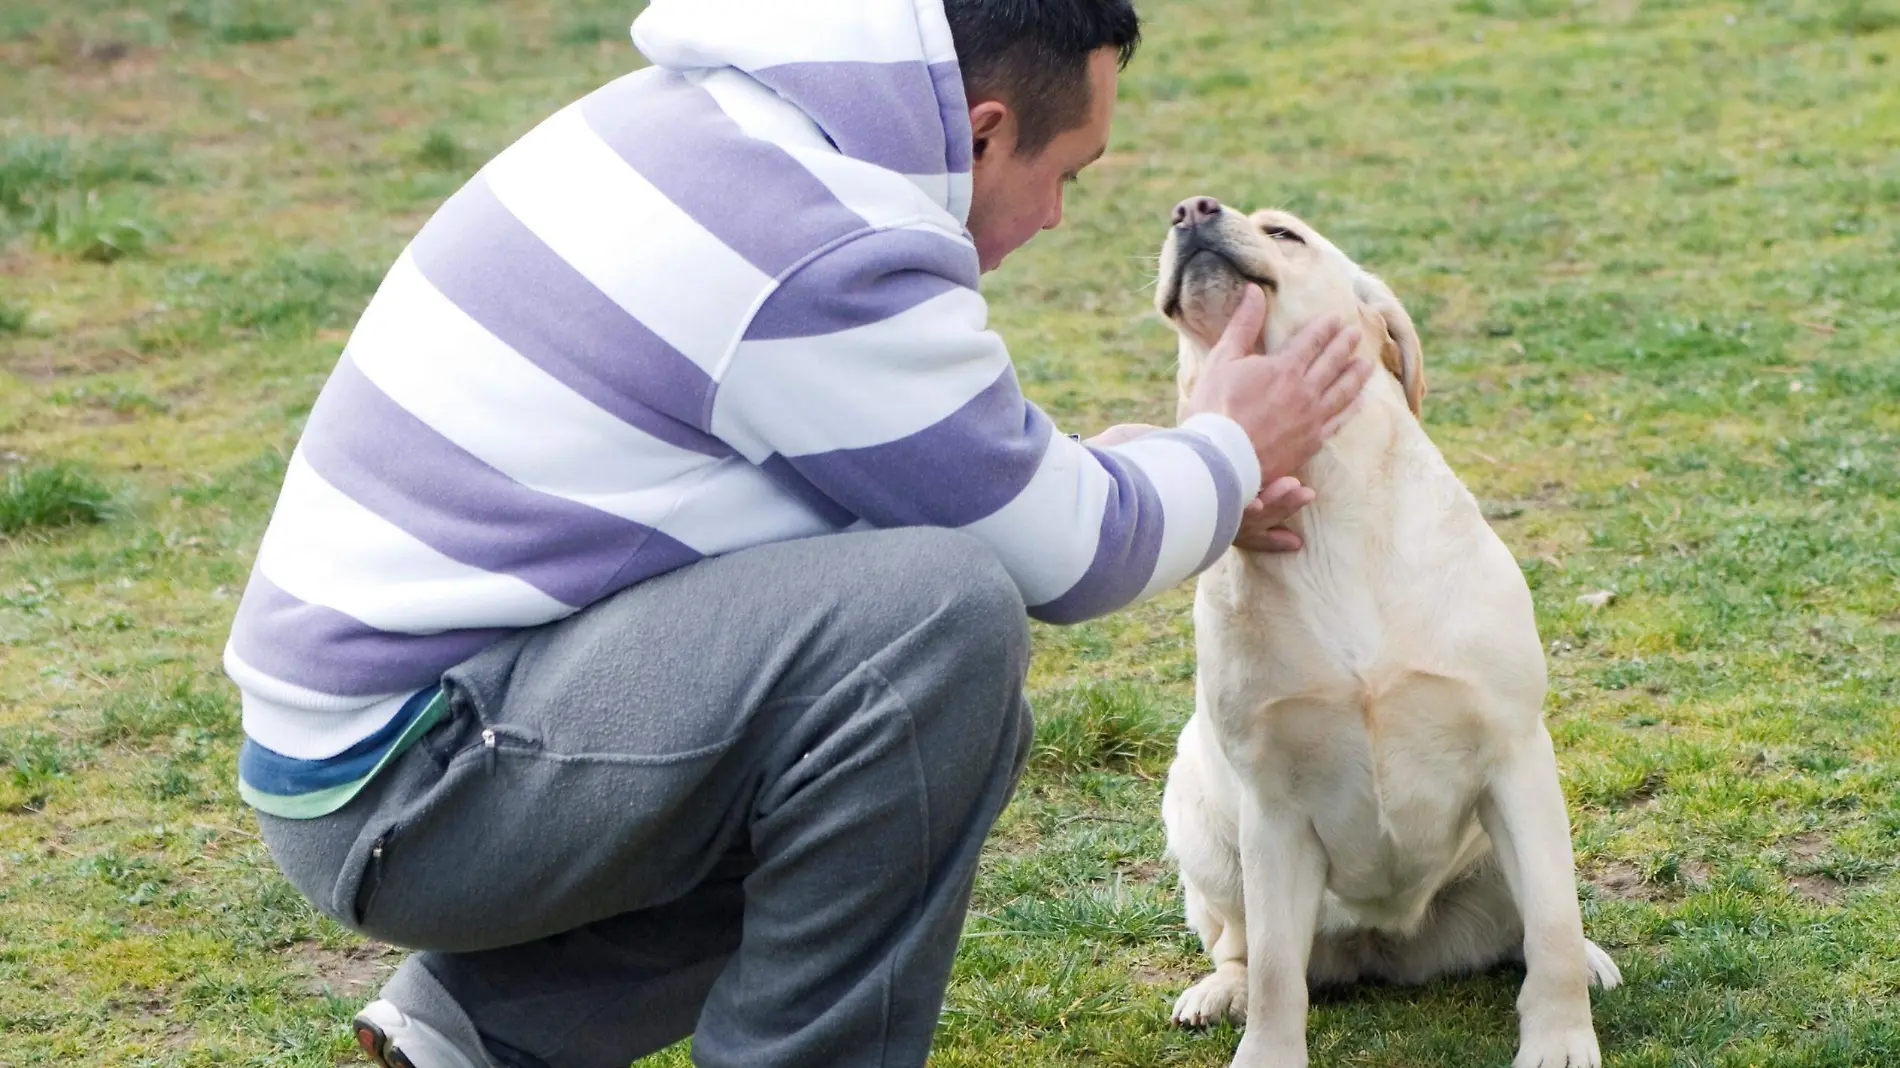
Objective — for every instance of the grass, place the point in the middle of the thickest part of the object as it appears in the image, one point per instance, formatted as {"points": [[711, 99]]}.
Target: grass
{"points": [[1650, 246], [49, 496]]}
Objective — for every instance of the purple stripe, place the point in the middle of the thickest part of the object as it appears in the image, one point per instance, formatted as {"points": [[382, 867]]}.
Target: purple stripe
{"points": [[322, 649], [750, 194], [889, 114], [864, 282], [951, 474], [658, 554], [397, 466], [1226, 491], [954, 111], [1124, 557], [788, 476], [493, 268]]}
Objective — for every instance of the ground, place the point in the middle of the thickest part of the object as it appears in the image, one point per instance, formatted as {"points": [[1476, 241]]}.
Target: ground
{"points": [[1651, 248]]}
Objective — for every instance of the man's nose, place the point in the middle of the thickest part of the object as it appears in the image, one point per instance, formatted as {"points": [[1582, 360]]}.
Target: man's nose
{"points": [[1194, 211]]}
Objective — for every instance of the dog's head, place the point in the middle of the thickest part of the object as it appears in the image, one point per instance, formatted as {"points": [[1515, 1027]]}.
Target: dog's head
{"points": [[1212, 251]]}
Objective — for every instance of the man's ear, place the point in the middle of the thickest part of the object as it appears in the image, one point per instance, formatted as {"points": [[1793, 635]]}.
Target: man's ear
{"points": [[1402, 354], [990, 121]]}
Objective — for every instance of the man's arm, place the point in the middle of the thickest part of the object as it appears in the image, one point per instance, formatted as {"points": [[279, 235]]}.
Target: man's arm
{"points": [[1263, 523], [870, 385]]}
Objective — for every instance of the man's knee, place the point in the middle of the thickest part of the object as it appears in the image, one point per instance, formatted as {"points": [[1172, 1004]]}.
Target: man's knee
{"points": [[967, 636], [959, 581]]}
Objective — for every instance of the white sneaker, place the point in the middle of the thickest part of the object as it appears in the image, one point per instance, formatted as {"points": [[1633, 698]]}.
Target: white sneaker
{"points": [[394, 1039]]}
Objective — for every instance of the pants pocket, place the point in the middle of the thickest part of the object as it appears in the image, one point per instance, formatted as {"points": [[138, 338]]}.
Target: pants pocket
{"points": [[357, 896]]}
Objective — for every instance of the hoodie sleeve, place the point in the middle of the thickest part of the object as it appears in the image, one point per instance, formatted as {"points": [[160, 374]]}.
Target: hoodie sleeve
{"points": [[868, 384]]}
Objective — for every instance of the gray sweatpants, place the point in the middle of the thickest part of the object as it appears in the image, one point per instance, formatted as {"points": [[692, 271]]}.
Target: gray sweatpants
{"points": [[743, 800]]}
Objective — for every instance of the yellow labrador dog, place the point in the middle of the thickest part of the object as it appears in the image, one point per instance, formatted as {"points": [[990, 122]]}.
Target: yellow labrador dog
{"points": [[1366, 789]]}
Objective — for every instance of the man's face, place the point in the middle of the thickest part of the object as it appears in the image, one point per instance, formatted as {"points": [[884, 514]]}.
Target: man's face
{"points": [[1013, 196]]}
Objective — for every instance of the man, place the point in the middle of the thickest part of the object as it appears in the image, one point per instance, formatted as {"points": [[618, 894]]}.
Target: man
{"points": [[640, 632]]}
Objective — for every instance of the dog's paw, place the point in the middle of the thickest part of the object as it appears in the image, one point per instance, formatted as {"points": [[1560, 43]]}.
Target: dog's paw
{"points": [[1603, 971], [1260, 1050], [1220, 996], [1575, 1048]]}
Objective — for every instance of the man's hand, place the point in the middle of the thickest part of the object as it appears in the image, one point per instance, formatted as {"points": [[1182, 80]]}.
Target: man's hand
{"points": [[1261, 525], [1116, 435], [1289, 402]]}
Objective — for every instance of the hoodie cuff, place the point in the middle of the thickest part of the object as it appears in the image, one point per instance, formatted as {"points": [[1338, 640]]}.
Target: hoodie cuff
{"points": [[1233, 443]]}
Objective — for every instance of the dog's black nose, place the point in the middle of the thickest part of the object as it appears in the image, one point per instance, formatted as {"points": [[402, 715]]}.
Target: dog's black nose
{"points": [[1194, 211]]}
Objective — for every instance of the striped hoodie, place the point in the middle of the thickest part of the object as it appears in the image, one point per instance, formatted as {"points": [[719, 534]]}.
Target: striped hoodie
{"points": [[723, 301]]}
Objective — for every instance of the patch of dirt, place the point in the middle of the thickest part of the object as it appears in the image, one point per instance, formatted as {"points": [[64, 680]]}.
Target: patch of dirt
{"points": [[70, 355], [1622, 881], [1173, 978], [1763, 762], [1813, 887], [351, 974], [1645, 793], [1142, 871], [1818, 889], [180, 1035], [1548, 492], [1805, 846], [1501, 511], [104, 51]]}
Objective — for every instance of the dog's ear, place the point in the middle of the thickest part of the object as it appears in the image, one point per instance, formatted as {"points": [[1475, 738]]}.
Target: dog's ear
{"points": [[1402, 354]]}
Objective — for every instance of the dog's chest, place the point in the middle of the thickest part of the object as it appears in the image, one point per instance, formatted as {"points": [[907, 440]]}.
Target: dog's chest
{"points": [[1361, 729], [1389, 781]]}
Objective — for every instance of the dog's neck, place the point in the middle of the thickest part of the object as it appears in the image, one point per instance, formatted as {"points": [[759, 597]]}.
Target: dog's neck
{"points": [[1361, 460], [1356, 462], [1354, 474]]}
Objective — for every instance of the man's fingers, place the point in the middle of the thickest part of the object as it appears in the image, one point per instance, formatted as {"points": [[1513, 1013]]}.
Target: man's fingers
{"points": [[1245, 326], [1313, 339], [1282, 540], [1279, 501], [1260, 526], [1336, 358], [1272, 540], [1284, 486], [1345, 389], [1332, 425]]}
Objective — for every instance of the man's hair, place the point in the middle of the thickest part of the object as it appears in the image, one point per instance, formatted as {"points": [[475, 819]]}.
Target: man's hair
{"points": [[1033, 55]]}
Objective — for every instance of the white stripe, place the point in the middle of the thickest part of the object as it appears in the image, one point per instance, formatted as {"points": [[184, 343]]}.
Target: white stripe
{"points": [[583, 201], [961, 188], [860, 387], [949, 189], [869, 191], [751, 34], [1188, 502], [446, 370], [271, 688], [934, 186], [1047, 536], [1233, 443], [325, 549], [737, 506], [933, 32], [288, 727]]}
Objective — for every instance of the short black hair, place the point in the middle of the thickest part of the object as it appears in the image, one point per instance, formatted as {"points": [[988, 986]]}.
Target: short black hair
{"points": [[1033, 55]]}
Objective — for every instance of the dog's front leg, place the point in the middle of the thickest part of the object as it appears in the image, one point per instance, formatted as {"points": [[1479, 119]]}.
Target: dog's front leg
{"points": [[1283, 876], [1523, 812]]}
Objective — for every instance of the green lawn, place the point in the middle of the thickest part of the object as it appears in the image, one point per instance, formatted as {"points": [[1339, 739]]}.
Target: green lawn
{"points": [[1653, 249]]}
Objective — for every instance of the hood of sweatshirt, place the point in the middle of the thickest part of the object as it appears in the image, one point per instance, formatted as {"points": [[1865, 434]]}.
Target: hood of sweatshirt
{"points": [[878, 77]]}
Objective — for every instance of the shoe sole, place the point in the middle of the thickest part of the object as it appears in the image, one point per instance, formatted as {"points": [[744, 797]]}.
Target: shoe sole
{"points": [[375, 1045]]}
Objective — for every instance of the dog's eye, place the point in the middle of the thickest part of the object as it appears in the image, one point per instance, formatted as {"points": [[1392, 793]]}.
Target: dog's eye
{"points": [[1281, 233]]}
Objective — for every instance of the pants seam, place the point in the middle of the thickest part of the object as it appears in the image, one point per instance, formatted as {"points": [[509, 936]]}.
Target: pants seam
{"points": [[918, 901]]}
